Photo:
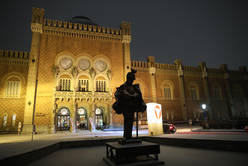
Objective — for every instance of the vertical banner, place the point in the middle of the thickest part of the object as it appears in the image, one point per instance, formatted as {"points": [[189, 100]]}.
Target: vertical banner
{"points": [[154, 118]]}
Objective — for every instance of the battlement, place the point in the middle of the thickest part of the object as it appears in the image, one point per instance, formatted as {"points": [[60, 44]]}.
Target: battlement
{"points": [[65, 28], [14, 57], [192, 68], [84, 27], [139, 64], [166, 66]]}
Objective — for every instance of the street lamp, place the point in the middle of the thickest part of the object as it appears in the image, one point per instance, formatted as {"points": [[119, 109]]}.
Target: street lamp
{"points": [[204, 106], [205, 115]]}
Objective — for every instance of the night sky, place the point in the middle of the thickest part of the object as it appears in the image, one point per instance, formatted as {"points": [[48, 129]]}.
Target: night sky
{"points": [[214, 31]]}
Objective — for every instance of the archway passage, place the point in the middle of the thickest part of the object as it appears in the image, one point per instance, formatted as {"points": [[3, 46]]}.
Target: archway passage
{"points": [[99, 118], [82, 119], [63, 119]]}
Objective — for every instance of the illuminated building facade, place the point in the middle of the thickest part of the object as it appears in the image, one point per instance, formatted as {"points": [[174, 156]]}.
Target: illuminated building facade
{"points": [[71, 72]]}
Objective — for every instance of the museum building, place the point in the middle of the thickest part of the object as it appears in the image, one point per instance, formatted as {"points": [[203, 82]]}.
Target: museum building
{"points": [[68, 79]]}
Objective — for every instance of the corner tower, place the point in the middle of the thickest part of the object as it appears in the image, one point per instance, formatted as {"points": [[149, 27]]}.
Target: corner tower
{"points": [[36, 27], [126, 39]]}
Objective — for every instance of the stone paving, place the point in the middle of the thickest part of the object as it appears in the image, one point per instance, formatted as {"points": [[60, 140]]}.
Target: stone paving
{"points": [[12, 144]]}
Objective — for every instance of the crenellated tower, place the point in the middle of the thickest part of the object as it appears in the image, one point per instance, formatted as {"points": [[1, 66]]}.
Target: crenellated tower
{"points": [[126, 40], [36, 27]]}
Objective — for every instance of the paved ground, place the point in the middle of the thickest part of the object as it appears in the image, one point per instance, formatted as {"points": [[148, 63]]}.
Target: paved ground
{"points": [[172, 156], [12, 144]]}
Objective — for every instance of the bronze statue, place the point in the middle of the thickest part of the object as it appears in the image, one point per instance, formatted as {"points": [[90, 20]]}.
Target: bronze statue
{"points": [[128, 101]]}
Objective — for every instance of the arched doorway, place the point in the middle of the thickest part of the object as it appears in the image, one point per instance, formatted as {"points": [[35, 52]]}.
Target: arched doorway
{"points": [[82, 119], [63, 119], [99, 118]]}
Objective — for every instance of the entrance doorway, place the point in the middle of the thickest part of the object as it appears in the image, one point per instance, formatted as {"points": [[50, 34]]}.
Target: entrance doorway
{"points": [[99, 119], [63, 119], [82, 120]]}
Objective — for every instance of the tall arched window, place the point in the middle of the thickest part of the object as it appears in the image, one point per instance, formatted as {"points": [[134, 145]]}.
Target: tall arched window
{"points": [[217, 93], [167, 92], [65, 83], [193, 92], [167, 87], [5, 120], [13, 87], [13, 121]]}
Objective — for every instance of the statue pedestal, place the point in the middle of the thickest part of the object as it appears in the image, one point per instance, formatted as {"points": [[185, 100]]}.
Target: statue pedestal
{"points": [[132, 154]]}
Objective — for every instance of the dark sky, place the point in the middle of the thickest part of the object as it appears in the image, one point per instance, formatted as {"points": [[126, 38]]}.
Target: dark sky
{"points": [[214, 31]]}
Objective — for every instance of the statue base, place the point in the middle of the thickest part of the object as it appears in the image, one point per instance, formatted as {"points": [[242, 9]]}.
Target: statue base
{"points": [[132, 154], [130, 141]]}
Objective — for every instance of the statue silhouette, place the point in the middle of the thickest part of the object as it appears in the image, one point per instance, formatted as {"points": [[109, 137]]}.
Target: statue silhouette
{"points": [[128, 101]]}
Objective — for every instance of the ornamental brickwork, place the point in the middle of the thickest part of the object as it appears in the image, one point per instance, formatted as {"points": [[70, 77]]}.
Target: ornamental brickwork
{"points": [[68, 80]]}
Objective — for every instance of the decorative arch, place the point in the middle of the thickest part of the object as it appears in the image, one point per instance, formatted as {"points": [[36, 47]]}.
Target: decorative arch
{"points": [[63, 118], [168, 87], [12, 83], [83, 82], [13, 74], [193, 90], [65, 82]]}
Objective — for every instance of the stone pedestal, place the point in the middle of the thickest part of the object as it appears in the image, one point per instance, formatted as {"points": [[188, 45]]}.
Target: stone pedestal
{"points": [[132, 154]]}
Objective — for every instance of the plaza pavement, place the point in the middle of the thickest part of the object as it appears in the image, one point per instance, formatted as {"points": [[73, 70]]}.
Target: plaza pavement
{"points": [[13, 144]]}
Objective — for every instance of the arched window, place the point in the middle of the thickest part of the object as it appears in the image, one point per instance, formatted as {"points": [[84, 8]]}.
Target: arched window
{"points": [[193, 92], [5, 120], [167, 92], [101, 84], [167, 87], [217, 93], [13, 87], [83, 84], [65, 83], [99, 118], [13, 121]]}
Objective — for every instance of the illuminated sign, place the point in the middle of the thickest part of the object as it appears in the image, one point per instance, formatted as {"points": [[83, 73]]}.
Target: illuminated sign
{"points": [[154, 117]]}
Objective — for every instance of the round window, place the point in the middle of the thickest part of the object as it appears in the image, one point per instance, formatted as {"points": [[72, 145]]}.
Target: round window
{"points": [[98, 111], [100, 65], [81, 111], [83, 64], [63, 111], [65, 63]]}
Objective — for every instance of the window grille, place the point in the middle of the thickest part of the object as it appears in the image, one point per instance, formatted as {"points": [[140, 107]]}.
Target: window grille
{"points": [[100, 86], [65, 84], [12, 89], [83, 85]]}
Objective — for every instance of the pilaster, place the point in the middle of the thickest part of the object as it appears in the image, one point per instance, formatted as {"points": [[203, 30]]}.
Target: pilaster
{"points": [[180, 74], [36, 27], [229, 100], [206, 88], [126, 39]]}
